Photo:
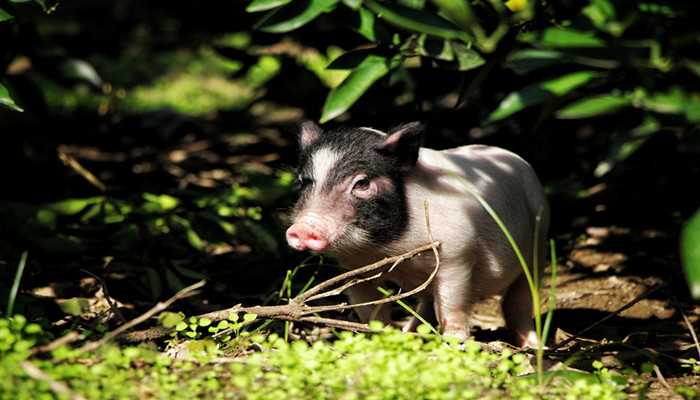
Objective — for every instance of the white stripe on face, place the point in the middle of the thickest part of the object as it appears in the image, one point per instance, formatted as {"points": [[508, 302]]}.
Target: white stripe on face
{"points": [[322, 162]]}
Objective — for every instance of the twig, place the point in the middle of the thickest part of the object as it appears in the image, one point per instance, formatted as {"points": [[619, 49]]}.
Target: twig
{"points": [[341, 289], [186, 292], [665, 383], [57, 387], [364, 270], [298, 310], [690, 327], [607, 317], [68, 338], [73, 164]]}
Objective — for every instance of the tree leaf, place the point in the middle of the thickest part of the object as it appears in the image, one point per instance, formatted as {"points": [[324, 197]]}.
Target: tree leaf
{"points": [[264, 5], [539, 92], [4, 15], [467, 58], [672, 102], [563, 38], [690, 253], [42, 3], [294, 15], [459, 12], [354, 86], [6, 100], [593, 106], [351, 59], [417, 21], [354, 4], [366, 24], [525, 61]]}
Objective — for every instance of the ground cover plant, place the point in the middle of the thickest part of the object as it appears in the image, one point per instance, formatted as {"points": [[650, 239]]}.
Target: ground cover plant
{"points": [[147, 151]]}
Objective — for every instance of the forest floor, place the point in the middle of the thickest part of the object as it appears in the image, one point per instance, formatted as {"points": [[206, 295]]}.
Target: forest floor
{"points": [[620, 293]]}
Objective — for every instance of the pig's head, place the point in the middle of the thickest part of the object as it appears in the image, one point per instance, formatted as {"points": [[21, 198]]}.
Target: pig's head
{"points": [[352, 190]]}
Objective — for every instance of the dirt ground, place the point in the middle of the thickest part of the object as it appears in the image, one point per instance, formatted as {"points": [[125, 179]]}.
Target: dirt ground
{"points": [[619, 299], [620, 293]]}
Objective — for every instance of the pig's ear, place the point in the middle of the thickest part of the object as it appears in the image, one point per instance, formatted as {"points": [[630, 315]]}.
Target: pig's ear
{"points": [[403, 143], [309, 133]]}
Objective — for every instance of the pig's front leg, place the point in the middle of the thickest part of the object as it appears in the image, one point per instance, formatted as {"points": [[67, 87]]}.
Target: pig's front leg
{"points": [[452, 295], [363, 293]]}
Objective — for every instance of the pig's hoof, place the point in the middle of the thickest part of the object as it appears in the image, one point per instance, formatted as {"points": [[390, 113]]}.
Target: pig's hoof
{"points": [[528, 340], [460, 334]]}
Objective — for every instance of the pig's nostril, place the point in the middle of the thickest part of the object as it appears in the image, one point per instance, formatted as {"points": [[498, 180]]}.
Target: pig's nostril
{"points": [[301, 238]]}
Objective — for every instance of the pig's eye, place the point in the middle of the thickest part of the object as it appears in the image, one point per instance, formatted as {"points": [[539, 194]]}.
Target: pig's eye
{"points": [[361, 185], [304, 181]]}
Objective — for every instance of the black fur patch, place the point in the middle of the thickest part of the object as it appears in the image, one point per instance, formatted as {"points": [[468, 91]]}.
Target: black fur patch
{"points": [[384, 217]]}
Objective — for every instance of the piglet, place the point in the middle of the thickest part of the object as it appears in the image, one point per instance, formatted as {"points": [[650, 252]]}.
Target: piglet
{"points": [[362, 199]]}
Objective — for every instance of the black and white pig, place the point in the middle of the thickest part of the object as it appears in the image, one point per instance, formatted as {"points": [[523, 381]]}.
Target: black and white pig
{"points": [[362, 199]]}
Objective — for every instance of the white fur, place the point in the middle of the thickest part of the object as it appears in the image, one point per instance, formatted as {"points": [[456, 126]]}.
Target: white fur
{"points": [[377, 131], [476, 258], [322, 162]]}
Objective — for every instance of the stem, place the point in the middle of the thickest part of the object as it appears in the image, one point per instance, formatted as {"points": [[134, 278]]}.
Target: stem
{"points": [[15, 285]]}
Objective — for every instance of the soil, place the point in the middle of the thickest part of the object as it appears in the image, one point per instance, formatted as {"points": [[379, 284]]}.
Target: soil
{"points": [[620, 293]]}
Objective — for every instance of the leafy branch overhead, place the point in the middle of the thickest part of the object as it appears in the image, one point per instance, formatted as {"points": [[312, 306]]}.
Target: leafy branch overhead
{"points": [[595, 48]]}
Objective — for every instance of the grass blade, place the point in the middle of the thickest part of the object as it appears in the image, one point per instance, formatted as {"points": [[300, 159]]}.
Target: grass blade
{"points": [[15, 284]]}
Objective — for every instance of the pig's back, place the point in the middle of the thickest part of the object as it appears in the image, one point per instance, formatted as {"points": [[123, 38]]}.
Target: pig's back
{"points": [[507, 183]]}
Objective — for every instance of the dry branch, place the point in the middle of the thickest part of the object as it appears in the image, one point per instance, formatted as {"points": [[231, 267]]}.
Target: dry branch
{"points": [[298, 310], [186, 292]]}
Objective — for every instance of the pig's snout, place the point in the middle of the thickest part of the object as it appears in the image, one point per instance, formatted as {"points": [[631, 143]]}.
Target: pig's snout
{"points": [[302, 236]]}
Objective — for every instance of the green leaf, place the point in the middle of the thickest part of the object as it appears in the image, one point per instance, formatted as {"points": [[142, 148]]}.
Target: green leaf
{"points": [[603, 16], [671, 102], [539, 92], [294, 15], [264, 5], [690, 253], [72, 206], [351, 59], [417, 21], [594, 106], [194, 239], [169, 319], [249, 317], [459, 12], [525, 61], [6, 100], [354, 4], [692, 110], [354, 86], [567, 38], [74, 306], [159, 202], [467, 58], [367, 24], [4, 15]]}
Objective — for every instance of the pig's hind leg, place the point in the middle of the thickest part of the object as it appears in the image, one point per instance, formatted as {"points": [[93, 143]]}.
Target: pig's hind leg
{"points": [[517, 311]]}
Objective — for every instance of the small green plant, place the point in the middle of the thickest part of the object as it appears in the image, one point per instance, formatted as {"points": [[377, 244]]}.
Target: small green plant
{"points": [[692, 364], [195, 328], [15, 285]]}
